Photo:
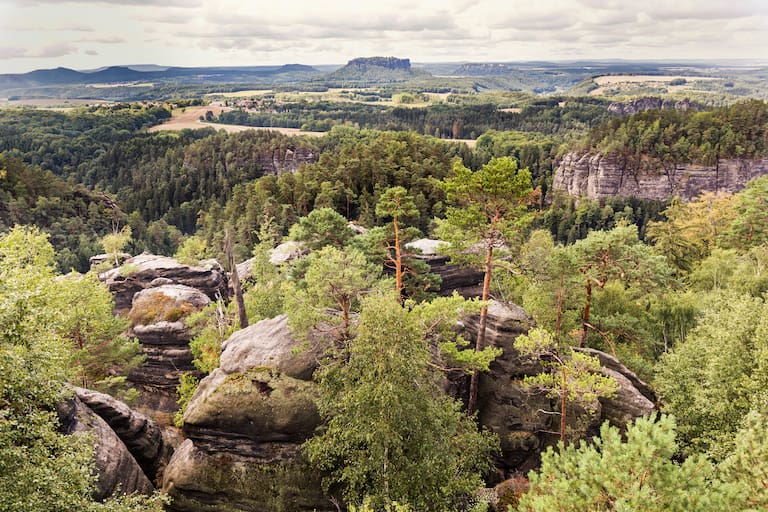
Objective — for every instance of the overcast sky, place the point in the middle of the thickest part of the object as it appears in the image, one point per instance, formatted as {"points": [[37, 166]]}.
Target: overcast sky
{"points": [[83, 34]]}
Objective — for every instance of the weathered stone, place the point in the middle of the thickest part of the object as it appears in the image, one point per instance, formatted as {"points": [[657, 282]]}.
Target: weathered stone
{"points": [[596, 177], [115, 465], [199, 481], [158, 314], [270, 344], [209, 278], [634, 398], [97, 260], [650, 103], [259, 405], [282, 160], [426, 246], [287, 251], [505, 406], [142, 437], [245, 424]]}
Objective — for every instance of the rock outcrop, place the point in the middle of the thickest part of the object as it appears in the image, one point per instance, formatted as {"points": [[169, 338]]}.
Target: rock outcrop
{"points": [[650, 103], [149, 445], [466, 281], [281, 160], [117, 468], [144, 271], [527, 421], [596, 176], [158, 317], [245, 424]]}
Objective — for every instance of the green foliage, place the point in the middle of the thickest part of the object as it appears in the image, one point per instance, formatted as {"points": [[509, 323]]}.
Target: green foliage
{"points": [[572, 377], [391, 434], [40, 469], [637, 474], [660, 140], [714, 378], [102, 357], [691, 230], [210, 326], [192, 250], [749, 227], [73, 216], [747, 465], [186, 388], [334, 279], [320, 228], [115, 242], [489, 205]]}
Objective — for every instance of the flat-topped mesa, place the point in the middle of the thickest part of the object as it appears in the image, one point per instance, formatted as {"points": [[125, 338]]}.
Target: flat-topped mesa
{"points": [[383, 62], [598, 176]]}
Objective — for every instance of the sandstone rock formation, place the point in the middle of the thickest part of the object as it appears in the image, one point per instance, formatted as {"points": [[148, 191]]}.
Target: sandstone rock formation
{"points": [[466, 281], [527, 421], [115, 465], [245, 424], [286, 160], [145, 440], [650, 103], [158, 317], [596, 176], [139, 272]]}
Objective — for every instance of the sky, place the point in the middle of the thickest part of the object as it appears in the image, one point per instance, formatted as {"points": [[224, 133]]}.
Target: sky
{"points": [[87, 34]]}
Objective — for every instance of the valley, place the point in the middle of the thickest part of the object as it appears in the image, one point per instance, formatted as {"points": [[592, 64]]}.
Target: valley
{"points": [[467, 286]]}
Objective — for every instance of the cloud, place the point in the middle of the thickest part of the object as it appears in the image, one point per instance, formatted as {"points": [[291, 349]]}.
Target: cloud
{"points": [[91, 52], [139, 3], [104, 40], [47, 52]]}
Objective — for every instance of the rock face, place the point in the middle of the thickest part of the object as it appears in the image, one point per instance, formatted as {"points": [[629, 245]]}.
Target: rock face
{"points": [[143, 269], [650, 103], [596, 176], [286, 160], [245, 424], [115, 464], [158, 316], [526, 421], [466, 281], [147, 443]]}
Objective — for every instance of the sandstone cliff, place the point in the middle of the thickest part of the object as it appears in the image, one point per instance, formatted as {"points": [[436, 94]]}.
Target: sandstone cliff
{"points": [[596, 176]]}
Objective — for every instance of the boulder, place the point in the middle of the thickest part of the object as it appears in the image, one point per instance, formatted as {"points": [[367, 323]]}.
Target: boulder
{"points": [[144, 439], [286, 252], [198, 480], [505, 406], [99, 259], [270, 344], [116, 467], [245, 425], [634, 398], [139, 273], [466, 281]]}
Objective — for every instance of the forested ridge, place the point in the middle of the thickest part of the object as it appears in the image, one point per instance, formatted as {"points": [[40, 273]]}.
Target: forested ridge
{"points": [[675, 291]]}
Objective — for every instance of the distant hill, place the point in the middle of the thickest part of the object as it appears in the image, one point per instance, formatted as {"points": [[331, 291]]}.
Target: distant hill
{"points": [[483, 69], [125, 74], [374, 70]]}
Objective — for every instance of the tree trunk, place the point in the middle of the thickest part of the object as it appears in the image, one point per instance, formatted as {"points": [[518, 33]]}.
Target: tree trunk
{"points": [[480, 344], [242, 316], [563, 400], [585, 315], [398, 261]]}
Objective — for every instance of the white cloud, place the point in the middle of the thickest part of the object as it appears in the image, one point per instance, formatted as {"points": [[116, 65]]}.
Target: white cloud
{"points": [[243, 32]]}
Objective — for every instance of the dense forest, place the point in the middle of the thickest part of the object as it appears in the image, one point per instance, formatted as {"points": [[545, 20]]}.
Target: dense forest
{"points": [[454, 119], [675, 291]]}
